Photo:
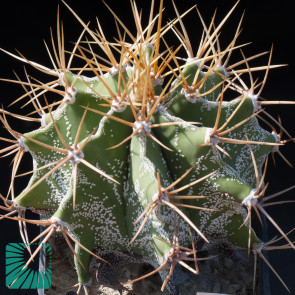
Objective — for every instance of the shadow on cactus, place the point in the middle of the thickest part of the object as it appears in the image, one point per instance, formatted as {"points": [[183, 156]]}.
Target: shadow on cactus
{"points": [[146, 156]]}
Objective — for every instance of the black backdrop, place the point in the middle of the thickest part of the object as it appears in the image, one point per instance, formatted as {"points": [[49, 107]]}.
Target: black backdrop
{"points": [[24, 25]]}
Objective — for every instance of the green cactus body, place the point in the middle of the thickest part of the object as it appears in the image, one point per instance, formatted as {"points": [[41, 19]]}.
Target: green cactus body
{"points": [[104, 208], [107, 185]]}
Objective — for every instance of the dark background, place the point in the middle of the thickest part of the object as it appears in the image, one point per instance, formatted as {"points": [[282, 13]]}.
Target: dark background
{"points": [[24, 25]]}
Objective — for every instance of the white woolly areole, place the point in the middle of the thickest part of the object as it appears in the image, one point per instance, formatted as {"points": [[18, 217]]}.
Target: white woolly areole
{"points": [[70, 95], [22, 144], [158, 81], [142, 127], [150, 45], [167, 256], [58, 222], [225, 73], [16, 205], [190, 96], [159, 199], [277, 139], [118, 106], [60, 82], [129, 67], [173, 255], [257, 247], [43, 120], [251, 199], [115, 70], [88, 284], [196, 61], [75, 158], [208, 139], [256, 106]]}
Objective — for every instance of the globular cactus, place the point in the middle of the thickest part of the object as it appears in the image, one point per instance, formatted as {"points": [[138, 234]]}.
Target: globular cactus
{"points": [[148, 159]]}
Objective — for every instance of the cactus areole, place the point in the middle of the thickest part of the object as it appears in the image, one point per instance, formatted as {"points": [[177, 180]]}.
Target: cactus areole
{"points": [[145, 156]]}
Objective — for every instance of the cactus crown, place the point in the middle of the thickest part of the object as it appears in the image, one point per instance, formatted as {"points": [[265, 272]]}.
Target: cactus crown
{"points": [[148, 159]]}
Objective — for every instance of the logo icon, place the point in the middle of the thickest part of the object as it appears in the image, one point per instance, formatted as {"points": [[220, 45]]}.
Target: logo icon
{"points": [[31, 277]]}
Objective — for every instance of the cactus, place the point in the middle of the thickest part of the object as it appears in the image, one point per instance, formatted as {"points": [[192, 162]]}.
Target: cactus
{"points": [[148, 159]]}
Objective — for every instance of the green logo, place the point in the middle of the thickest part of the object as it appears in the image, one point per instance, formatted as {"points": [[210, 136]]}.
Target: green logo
{"points": [[31, 277]]}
